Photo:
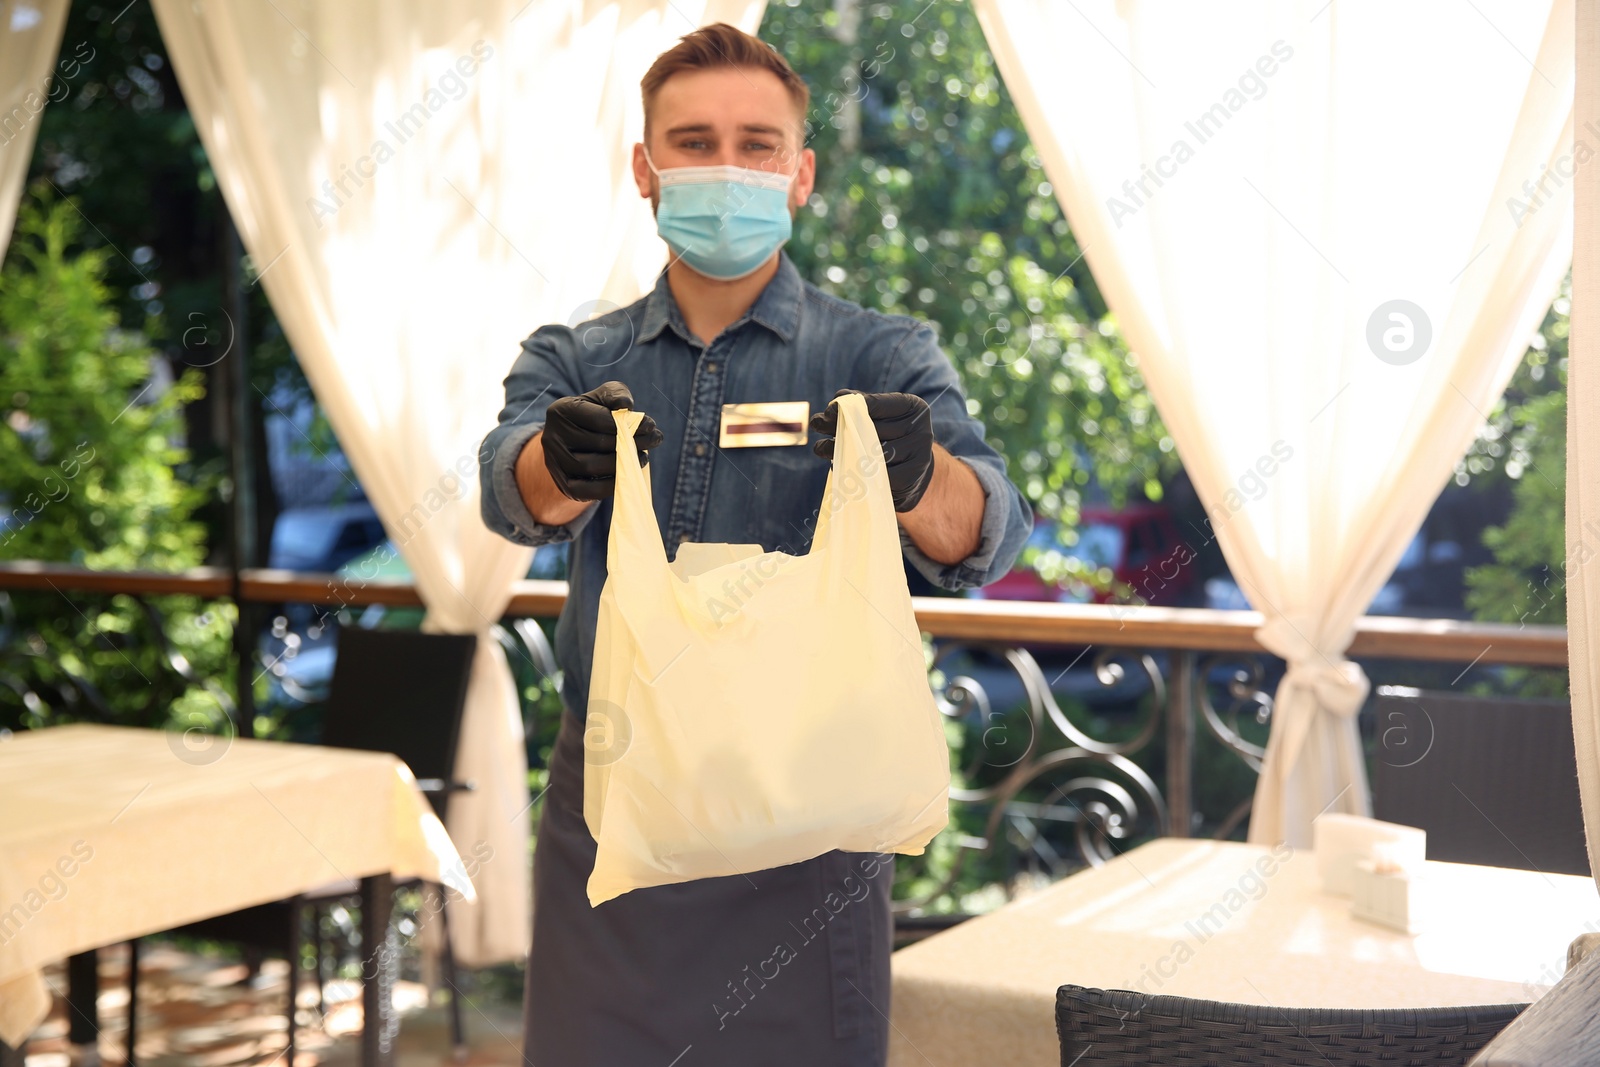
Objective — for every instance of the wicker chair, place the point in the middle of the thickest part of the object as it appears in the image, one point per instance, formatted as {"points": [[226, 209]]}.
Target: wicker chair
{"points": [[1114, 1027]]}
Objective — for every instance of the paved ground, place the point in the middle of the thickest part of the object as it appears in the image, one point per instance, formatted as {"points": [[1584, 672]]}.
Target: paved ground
{"points": [[194, 1012]]}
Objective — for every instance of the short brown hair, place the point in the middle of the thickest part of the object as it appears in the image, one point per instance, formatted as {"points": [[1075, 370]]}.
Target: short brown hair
{"points": [[720, 45]]}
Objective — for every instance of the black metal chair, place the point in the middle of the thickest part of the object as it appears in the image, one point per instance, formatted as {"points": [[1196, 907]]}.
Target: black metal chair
{"points": [[1119, 1028], [1494, 781], [396, 691]]}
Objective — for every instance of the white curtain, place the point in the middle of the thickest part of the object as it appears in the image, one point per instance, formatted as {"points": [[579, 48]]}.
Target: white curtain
{"points": [[1254, 185], [1583, 442], [30, 38], [419, 185]]}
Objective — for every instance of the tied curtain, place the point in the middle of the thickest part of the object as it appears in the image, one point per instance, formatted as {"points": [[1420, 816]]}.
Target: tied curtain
{"points": [[30, 40], [1327, 232], [419, 186]]}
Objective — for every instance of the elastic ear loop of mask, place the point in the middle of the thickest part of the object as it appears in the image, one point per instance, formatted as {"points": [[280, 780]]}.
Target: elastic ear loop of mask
{"points": [[788, 179]]}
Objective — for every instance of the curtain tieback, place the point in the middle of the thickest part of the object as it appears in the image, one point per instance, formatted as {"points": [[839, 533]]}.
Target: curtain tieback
{"points": [[1338, 685], [1341, 686]]}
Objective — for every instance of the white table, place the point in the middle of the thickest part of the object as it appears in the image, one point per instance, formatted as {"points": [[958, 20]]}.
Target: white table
{"points": [[109, 833], [1200, 919]]}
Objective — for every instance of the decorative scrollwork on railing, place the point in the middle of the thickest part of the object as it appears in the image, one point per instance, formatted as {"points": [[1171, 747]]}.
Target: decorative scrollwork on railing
{"points": [[1108, 671], [278, 655], [1244, 690], [1049, 799], [49, 689], [66, 694], [179, 665], [522, 638], [297, 651], [1244, 687]]}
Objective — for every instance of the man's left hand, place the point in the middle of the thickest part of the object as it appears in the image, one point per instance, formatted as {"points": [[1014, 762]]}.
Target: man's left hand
{"points": [[905, 429]]}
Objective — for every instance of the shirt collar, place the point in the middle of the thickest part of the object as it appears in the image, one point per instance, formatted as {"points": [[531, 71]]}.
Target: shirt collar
{"points": [[777, 308]]}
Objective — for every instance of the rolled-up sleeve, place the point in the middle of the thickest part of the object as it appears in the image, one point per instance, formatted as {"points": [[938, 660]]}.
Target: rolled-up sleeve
{"points": [[540, 375], [919, 366]]}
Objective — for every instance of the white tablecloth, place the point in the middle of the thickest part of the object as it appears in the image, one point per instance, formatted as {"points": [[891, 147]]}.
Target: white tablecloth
{"points": [[1223, 921], [109, 833]]}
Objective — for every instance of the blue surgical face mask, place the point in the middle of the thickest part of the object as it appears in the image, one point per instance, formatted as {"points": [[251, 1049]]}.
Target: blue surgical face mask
{"points": [[722, 221]]}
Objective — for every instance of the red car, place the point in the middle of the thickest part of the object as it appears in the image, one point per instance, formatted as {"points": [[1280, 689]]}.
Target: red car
{"points": [[1140, 545]]}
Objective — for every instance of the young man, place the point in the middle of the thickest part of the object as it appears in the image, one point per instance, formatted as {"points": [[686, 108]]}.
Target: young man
{"points": [[790, 965]]}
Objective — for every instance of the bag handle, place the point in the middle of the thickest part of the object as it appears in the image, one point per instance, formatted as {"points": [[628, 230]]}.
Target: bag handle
{"points": [[634, 533], [857, 507]]}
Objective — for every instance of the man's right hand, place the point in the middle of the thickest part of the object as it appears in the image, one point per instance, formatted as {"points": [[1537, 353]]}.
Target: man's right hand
{"points": [[580, 441]]}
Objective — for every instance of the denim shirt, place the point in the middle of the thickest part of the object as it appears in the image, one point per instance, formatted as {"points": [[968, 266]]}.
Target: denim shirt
{"points": [[795, 342]]}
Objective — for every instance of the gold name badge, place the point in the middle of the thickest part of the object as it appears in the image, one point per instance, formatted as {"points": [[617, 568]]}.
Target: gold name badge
{"points": [[760, 425]]}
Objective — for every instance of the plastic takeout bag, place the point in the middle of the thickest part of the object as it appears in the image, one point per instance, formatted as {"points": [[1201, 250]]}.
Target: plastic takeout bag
{"points": [[751, 709]]}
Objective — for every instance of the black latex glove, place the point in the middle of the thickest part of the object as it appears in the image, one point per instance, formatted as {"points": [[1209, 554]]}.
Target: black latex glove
{"points": [[580, 441], [905, 429]]}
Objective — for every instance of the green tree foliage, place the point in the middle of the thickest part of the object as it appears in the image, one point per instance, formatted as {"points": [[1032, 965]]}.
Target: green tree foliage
{"points": [[90, 443], [118, 137], [89, 456], [1525, 437], [931, 201]]}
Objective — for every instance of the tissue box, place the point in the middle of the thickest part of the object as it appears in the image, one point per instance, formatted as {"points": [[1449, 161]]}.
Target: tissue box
{"points": [[1341, 841], [1389, 898]]}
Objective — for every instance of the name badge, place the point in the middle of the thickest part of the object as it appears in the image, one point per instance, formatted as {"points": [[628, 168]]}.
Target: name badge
{"points": [[784, 422]]}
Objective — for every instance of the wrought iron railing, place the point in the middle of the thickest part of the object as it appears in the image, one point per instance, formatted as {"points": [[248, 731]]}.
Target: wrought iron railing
{"points": [[1043, 785]]}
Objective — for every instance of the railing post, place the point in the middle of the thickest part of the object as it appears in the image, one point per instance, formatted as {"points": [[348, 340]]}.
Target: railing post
{"points": [[241, 468], [1180, 743]]}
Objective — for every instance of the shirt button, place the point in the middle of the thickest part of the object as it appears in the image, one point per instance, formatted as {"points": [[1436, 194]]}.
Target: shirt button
{"points": [[700, 450], [711, 367]]}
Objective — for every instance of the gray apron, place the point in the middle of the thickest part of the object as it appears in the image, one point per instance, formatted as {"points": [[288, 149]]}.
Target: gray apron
{"points": [[784, 966]]}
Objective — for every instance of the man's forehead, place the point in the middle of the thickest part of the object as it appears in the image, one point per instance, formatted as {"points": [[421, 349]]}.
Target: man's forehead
{"points": [[725, 100]]}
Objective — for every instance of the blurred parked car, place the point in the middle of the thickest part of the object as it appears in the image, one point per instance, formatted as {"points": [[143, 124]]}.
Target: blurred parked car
{"points": [[324, 537], [1140, 545]]}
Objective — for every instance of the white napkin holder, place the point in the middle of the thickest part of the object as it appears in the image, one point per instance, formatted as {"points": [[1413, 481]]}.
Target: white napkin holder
{"points": [[1341, 841], [1387, 892]]}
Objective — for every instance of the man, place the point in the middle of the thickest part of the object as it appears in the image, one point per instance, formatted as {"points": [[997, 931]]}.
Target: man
{"points": [[790, 965]]}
